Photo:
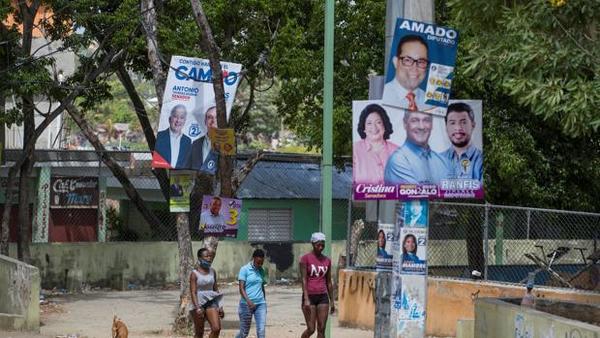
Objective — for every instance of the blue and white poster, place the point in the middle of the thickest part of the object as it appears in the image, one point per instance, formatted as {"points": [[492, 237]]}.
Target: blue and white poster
{"points": [[189, 111], [421, 67]]}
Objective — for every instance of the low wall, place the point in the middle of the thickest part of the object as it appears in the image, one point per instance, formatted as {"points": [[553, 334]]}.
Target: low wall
{"points": [[116, 264], [448, 300], [19, 295], [495, 318]]}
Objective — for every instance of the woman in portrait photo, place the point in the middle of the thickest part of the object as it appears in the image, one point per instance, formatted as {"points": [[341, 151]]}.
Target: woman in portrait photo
{"points": [[371, 153]]}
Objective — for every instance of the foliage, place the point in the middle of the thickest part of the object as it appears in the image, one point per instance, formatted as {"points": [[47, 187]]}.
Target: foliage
{"points": [[533, 156], [542, 54]]}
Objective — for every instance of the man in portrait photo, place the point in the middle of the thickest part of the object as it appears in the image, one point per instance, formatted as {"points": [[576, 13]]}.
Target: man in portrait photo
{"points": [[171, 144], [411, 63], [464, 160], [414, 162], [212, 218], [201, 152]]}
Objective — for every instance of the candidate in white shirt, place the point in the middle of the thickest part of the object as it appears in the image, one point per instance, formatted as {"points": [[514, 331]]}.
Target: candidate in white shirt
{"points": [[411, 62], [211, 220]]}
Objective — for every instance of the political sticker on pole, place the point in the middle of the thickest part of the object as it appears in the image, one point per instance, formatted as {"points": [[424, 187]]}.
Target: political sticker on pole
{"points": [[223, 141], [405, 155], [219, 216], [180, 187], [421, 67], [189, 111]]}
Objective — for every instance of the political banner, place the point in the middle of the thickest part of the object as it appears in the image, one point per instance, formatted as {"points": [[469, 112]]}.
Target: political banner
{"points": [[189, 111], [421, 67], [385, 239], [220, 216], [223, 141], [180, 186], [399, 154]]}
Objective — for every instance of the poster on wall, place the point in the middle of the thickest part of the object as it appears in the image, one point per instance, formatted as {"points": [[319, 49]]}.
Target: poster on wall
{"points": [[385, 239], [189, 111], [399, 154], [409, 307], [73, 192], [180, 187], [220, 216], [421, 67]]}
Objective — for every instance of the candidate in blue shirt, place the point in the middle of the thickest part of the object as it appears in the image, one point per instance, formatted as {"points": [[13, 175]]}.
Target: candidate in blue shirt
{"points": [[464, 160], [253, 302], [415, 162]]}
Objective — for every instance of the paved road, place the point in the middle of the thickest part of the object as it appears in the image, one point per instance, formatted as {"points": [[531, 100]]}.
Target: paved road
{"points": [[149, 313]]}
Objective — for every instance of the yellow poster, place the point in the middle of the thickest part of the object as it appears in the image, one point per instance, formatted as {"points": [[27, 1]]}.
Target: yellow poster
{"points": [[223, 140]]}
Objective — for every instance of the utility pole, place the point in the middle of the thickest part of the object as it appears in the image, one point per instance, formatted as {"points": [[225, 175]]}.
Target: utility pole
{"points": [[327, 153]]}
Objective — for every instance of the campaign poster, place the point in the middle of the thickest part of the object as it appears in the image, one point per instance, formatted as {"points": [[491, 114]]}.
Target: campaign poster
{"points": [[413, 246], [415, 214], [223, 141], [41, 217], [398, 154], [421, 67], [220, 216], [385, 239], [188, 112], [180, 187]]}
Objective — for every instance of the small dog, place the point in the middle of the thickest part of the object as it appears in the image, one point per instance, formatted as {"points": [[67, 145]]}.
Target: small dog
{"points": [[119, 329]]}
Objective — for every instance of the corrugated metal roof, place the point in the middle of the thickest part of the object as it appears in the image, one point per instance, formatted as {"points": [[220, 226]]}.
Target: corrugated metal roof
{"points": [[280, 180], [273, 180]]}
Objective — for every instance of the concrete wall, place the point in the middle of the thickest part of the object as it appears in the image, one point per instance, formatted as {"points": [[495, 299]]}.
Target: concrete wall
{"points": [[495, 318], [19, 295], [356, 299], [116, 264], [448, 300]]}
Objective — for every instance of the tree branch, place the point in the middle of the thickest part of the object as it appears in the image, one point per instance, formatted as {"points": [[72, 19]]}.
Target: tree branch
{"points": [[149, 23], [245, 170]]}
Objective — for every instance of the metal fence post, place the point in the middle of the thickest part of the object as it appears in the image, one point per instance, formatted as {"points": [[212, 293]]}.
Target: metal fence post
{"points": [[486, 250], [349, 261], [528, 223]]}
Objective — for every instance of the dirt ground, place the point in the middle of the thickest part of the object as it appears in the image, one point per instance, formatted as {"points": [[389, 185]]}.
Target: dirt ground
{"points": [[149, 313]]}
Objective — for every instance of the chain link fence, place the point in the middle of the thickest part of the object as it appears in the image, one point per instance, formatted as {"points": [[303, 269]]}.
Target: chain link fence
{"points": [[503, 243]]}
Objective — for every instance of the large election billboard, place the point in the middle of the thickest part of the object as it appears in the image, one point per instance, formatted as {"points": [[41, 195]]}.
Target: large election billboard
{"points": [[188, 111], [420, 67], [402, 154]]}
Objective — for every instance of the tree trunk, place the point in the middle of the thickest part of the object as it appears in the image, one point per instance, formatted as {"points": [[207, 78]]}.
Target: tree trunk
{"points": [[140, 110], [114, 167], [150, 26], [23, 233], [8, 198]]}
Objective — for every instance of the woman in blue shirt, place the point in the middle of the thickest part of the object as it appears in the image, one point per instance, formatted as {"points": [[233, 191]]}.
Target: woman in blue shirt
{"points": [[253, 301]]}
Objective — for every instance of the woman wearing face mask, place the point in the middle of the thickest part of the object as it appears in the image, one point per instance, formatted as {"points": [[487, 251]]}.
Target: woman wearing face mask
{"points": [[317, 288], [206, 298]]}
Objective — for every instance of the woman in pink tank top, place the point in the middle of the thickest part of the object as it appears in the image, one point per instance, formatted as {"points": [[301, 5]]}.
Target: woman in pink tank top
{"points": [[317, 288]]}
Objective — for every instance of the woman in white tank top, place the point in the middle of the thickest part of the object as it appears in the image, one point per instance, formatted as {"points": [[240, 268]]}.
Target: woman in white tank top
{"points": [[206, 298]]}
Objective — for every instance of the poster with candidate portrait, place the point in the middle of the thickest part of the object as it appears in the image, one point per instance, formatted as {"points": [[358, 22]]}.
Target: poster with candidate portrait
{"points": [[188, 112], [180, 187], [413, 247], [219, 216], [402, 155], [385, 239], [421, 67]]}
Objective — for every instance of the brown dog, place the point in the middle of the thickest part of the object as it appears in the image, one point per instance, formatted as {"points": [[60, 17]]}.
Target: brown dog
{"points": [[119, 329]]}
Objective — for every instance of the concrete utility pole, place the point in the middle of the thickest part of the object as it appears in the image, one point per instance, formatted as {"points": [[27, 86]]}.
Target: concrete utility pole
{"points": [[419, 10]]}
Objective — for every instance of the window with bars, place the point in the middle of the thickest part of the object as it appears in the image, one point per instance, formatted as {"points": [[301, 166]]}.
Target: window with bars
{"points": [[270, 225]]}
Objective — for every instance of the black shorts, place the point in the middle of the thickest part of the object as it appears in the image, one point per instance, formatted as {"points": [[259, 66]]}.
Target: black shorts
{"points": [[316, 300]]}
